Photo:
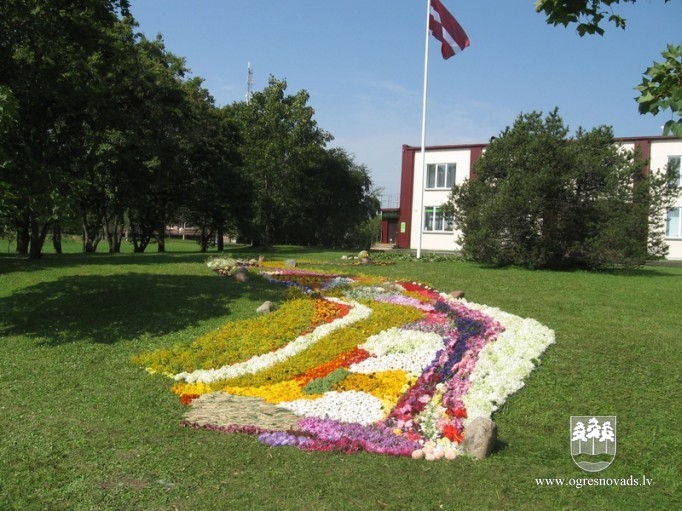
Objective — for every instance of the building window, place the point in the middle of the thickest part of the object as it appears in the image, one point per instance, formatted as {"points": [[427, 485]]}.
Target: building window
{"points": [[440, 176], [436, 221], [674, 165], [673, 226]]}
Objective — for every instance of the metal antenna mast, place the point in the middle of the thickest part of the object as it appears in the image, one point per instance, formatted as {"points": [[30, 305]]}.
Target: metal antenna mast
{"points": [[249, 83]]}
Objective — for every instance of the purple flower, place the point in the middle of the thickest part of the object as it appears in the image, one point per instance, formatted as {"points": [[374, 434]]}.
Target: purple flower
{"points": [[330, 435]]}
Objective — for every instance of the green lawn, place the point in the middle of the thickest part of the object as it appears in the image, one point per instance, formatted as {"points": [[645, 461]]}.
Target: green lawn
{"points": [[85, 429]]}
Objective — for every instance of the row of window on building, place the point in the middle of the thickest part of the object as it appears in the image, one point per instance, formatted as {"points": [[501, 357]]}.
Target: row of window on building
{"points": [[418, 219], [442, 176]]}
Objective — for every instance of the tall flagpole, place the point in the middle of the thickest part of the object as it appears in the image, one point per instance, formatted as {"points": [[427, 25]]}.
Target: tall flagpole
{"points": [[420, 216]]}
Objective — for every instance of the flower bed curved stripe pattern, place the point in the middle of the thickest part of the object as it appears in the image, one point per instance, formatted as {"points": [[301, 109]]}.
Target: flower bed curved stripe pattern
{"points": [[267, 360], [401, 374], [333, 345], [236, 342], [504, 364]]}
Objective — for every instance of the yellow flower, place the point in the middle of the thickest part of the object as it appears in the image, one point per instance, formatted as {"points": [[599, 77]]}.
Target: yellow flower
{"points": [[236, 341], [276, 393], [385, 315], [198, 388], [385, 385]]}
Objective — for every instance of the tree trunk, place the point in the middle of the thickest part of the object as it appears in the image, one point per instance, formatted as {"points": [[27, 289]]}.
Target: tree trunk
{"points": [[92, 231], [161, 239], [38, 235], [23, 236], [140, 241], [57, 239], [205, 235], [113, 231], [220, 239]]}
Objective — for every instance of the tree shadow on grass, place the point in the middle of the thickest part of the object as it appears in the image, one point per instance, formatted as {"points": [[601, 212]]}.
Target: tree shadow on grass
{"points": [[649, 270], [108, 309], [10, 263], [15, 263]]}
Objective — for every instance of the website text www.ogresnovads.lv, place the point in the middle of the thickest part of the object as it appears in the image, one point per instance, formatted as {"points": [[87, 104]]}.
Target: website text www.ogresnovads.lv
{"points": [[580, 482]]}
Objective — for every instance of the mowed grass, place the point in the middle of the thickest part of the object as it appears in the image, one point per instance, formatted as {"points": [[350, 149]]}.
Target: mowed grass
{"points": [[85, 429]]}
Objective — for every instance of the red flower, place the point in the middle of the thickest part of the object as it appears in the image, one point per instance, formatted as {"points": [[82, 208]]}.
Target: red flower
{"points": [[450, 432], [346, 359], [461, 412]]}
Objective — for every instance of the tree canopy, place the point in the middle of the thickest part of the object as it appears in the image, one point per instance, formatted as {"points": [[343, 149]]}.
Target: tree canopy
{"points": [[661, 88], [542, 200], [304, 193], [588, 14], [104, 132]]}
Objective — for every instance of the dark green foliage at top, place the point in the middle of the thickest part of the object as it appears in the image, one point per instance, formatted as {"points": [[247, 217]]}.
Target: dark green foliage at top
{"points": [[540, 200], [304, 192], [110, 138], [8, 114], [587, 14], [661, 87]]}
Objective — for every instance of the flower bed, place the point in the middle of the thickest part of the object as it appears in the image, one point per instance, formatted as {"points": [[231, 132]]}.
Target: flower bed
{"points": [[391, 368]]}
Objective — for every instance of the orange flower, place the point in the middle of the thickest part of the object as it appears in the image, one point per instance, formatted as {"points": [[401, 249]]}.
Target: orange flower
{"points": [[186, 399], [327, 311], [345, 360]]}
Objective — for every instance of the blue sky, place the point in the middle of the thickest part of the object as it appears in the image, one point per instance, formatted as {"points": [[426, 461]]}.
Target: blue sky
{"points": [[362, 63]]}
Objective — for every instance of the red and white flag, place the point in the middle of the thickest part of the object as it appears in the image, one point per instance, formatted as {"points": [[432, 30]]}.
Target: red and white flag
{"points": [[447, 30]]}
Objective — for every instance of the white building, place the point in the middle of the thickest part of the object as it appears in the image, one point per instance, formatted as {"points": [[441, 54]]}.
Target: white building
{"points": [[453, 164]]}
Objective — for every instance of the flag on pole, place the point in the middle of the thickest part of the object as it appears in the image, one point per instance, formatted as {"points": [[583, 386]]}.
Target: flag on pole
{"points": [[447, 30], [453, 39]]}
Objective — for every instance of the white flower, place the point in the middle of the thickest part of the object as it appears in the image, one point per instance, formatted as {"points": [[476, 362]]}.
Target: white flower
{"points": [[409, 350], [503, 365], [397, 340], [363, 292], [349, 406], [221, 263]]}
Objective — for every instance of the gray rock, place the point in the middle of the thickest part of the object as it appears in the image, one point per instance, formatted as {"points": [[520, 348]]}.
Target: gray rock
{"points": [[266, 307], [241, 274], [290, 263], [480, 436]]}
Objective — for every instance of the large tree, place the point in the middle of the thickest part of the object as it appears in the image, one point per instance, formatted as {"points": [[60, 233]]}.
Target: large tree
{"points": [[47, 51], [541, 200], [304, 193], [8, 115], [280, 139], [218, 196], [661, 88], [98, 146], [155, 144], [337, 202]]}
